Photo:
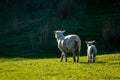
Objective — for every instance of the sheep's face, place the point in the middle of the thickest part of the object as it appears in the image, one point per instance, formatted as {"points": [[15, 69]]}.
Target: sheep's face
{"points": [[58, 34], [89, 43]]}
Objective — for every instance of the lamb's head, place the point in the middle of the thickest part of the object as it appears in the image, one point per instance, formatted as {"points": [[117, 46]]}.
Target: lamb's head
{"points": [[89, 43], [59, 34]]}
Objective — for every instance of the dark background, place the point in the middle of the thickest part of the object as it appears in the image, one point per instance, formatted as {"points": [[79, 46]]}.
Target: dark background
{"points": [[26, 26]]}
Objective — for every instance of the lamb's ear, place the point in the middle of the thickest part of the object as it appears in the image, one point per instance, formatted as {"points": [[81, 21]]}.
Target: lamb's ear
{"points": [[63, 31], [86, 42]]}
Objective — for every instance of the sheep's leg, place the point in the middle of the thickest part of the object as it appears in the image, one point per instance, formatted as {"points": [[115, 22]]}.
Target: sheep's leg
{"points": [[74, 58], [78, 58], [73, 51], [78, 55], [62, 55], [65, 57]]}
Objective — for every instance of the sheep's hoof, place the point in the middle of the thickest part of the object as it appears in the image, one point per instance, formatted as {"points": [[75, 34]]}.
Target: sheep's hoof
{"points": [[93, 60], [65, 60], [74, 60]]}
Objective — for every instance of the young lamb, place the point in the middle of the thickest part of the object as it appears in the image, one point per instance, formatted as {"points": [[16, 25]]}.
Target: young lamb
{"points": [[69, 43], [91, 51]]}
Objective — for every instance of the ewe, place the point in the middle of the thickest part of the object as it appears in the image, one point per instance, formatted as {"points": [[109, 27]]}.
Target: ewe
{"points": [[69, 43]]}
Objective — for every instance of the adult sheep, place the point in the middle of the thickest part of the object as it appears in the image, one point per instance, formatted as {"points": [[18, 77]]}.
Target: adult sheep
{"points": [[69, 43], [91, 51]]}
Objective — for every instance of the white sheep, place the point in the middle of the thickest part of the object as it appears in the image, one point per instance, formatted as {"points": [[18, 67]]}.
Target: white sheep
{"points": [[69, 43], [91, 51]]}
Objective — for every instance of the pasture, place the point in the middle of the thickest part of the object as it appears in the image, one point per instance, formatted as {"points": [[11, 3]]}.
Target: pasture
{"points": [[106, 67]]}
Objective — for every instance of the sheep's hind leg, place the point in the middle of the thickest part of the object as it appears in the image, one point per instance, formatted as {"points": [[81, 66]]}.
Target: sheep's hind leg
{"points": [[78, 55], [78, 58], [74, 58], [65, 57], [62, 55]]}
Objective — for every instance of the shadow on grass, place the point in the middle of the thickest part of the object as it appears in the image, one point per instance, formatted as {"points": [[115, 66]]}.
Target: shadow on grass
{"points": [[101, 62], [92, 63]]}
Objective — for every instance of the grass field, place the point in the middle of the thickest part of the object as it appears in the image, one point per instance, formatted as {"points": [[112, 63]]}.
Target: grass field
{"points": [[107, 67]]}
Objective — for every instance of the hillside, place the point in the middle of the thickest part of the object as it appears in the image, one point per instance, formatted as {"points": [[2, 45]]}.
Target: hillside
{"points": [[26, 26]]}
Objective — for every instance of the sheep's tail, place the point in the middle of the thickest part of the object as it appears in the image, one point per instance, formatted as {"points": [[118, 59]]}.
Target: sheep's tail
{"points": [[77, 48], [77, 45]]}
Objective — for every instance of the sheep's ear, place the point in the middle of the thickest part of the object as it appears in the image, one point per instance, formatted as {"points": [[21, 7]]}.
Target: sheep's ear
{"points": [[63, 31], [86, 42]]}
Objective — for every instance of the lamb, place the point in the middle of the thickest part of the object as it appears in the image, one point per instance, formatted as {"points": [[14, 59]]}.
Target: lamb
{"points": [[70, 43], [91, 51]]}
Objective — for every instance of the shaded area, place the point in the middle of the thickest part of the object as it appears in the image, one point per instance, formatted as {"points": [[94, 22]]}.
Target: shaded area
{"points": [[26, 27]]}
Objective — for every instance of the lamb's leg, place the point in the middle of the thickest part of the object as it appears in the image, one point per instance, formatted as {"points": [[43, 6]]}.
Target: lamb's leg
{"points": [[94, 58], [88, 56], [88, 59], [91, 58]]}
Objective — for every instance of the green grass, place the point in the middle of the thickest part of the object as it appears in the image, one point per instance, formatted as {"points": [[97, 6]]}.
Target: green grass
{"points": [[107, 67]]}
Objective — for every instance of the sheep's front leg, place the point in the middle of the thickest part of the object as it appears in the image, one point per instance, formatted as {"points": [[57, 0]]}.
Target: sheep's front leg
{"points": [[62, 55]]}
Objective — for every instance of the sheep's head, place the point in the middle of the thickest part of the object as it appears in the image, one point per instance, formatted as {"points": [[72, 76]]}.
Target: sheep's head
{"points": [[89, 43], [59, 34]]}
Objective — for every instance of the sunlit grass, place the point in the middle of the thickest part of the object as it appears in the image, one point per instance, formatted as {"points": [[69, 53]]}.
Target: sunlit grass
{"points": [[107, 67]]}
